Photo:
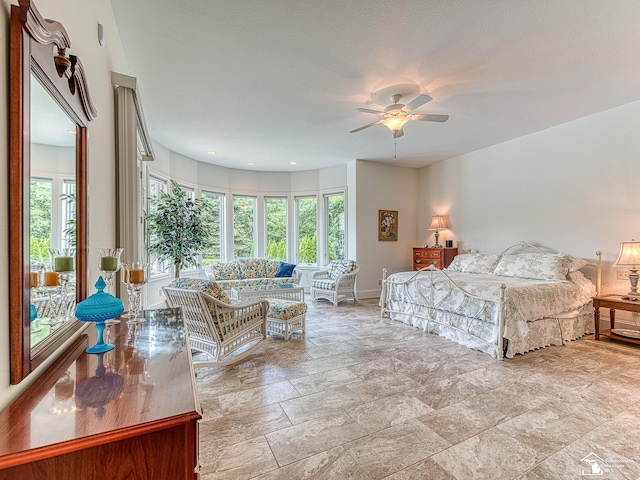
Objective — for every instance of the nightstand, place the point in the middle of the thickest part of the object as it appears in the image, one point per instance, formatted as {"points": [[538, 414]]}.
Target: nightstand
{"points": [[613, 303], [438, 257]]}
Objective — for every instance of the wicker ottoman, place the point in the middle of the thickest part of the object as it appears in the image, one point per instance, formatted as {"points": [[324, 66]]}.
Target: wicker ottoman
{"points": [[286, 317]]}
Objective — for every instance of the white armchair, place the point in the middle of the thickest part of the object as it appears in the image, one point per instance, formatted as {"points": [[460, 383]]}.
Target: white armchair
{"points": [[336, 282], [227, 332]]}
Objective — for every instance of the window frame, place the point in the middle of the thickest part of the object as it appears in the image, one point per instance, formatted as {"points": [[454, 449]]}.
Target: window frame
{"points": [[209, 192], [325, 215], [296, 223]]}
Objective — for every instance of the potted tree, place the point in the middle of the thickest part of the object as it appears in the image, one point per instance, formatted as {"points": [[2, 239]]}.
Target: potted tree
{"points": [[176, 228]]}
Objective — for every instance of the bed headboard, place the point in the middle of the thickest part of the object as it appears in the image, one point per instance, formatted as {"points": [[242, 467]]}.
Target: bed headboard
{"points": [[525, 247]]}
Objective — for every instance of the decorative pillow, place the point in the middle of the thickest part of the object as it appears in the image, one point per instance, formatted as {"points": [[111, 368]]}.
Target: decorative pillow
{"points": [[475, 263], [285, 270], [583, 282], [538, 266], [252, 267], [271, 268], [340, 267], [207, 286], [227, 271], [577, 263]]}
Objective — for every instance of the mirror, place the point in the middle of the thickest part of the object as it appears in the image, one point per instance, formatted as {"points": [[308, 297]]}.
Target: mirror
{"points": [[50, 109], [52, 212]]}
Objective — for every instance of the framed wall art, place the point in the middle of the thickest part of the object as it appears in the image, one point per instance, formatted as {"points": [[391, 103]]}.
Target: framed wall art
{"points": [[387, 225]]}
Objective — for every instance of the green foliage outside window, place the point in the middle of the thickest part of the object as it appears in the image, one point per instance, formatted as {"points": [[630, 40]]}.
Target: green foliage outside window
{"points": [[336, 226], [243, 221], [212, 222], [308, 249], [276, 212], [307, 230], [40, 220]]}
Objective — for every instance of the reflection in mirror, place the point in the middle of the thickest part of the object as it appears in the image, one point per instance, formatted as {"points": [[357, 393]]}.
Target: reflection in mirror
{"points": [[52, 212]]}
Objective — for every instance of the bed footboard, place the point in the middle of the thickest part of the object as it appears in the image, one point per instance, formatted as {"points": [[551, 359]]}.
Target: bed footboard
{"points": [[417, 294]]}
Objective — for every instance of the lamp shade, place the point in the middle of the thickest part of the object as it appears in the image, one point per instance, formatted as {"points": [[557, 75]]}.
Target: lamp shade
{"points": [[395, 122], [438, 222], [629, 254]]}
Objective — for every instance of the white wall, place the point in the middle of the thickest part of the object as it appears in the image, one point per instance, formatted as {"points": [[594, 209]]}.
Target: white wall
{"points": [[80, 18], [573, 188], [52, 160], [383, 187]]}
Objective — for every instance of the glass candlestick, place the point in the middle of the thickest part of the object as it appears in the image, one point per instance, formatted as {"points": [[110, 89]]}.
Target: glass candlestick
{"points": [[109, 264], [63, 261], [135, 277]]}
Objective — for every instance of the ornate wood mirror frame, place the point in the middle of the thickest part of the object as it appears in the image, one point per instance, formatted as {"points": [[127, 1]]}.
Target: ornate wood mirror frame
{"points": [[38, 51]]}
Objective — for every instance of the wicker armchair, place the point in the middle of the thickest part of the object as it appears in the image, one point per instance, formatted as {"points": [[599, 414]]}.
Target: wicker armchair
{"points": [[335, 283], [226, 332]]}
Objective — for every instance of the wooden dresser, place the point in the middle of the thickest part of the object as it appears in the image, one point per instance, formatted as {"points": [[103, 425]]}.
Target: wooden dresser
{"points": [[439, 257], [131, 413]]}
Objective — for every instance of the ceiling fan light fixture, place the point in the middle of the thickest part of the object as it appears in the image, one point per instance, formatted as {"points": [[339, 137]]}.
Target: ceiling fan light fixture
{"points": [[395, 122]]}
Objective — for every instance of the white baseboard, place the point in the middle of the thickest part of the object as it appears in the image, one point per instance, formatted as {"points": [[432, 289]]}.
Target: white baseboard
{"points": [[362, 294]]}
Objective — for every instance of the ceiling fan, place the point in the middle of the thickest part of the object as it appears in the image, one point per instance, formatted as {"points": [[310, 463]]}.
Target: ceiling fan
{"points": [[397, 114]]}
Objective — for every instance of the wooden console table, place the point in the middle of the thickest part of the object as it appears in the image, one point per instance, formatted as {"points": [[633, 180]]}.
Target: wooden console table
{"points": [[613, 303], [131, 413]]}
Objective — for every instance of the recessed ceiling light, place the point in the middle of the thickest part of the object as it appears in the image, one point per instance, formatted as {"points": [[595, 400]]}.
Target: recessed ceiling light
{"points": [[211, 152], [250, 163], [293, 163]]}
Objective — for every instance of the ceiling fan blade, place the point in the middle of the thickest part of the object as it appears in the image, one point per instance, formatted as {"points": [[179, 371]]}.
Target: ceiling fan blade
{"points": [[398, 134], [368, 110], [427, 117], [366, 126], [417, 102]]}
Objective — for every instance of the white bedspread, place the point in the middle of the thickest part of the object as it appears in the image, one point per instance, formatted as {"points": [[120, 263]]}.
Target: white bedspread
{"points": [[526, 300]]}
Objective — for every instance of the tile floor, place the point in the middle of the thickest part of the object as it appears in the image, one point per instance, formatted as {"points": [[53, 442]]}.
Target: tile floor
{"points": [[364, 397]]}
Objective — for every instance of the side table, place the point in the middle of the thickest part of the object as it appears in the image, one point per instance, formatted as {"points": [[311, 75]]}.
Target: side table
{"points": [[613, 303]]}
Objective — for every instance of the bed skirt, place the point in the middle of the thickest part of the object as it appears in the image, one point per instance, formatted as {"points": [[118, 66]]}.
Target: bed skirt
{"points": [[481, 335]]}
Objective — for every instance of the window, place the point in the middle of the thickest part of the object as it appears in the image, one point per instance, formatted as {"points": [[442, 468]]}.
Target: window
{"points": [[307, 223], [68, 199], [189, 192], [156, 185], [41, 215], [213, 219], [335, 221], [244, 209], [276, 227]]}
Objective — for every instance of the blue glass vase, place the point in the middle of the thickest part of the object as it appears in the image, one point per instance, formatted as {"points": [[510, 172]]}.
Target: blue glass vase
{"points": [[99, 308]]}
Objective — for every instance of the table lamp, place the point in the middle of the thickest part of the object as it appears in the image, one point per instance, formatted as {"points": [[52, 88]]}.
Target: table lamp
{"points": [[438, 222], [629, 258]]}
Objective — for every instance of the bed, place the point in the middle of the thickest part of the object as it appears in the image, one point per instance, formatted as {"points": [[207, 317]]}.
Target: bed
{"points": [[503, 304]]}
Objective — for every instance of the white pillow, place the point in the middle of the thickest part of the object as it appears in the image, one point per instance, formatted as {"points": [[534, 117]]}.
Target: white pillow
{"points": [[474, 263], [583, 282], [577, 263], [538, 266]]}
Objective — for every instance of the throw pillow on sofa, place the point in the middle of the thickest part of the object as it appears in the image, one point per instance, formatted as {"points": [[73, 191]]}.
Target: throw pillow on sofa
{"points": [[285, 270]]}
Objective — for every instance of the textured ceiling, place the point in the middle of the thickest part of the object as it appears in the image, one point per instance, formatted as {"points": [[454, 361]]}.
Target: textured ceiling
{"points": [[276, 81]]}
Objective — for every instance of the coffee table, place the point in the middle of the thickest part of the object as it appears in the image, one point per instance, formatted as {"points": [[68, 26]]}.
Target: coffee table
{"points": [[284, 291]]}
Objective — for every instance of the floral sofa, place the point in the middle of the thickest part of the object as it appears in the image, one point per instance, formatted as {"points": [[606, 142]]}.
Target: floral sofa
{"points": [[245, 272]]}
